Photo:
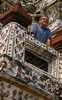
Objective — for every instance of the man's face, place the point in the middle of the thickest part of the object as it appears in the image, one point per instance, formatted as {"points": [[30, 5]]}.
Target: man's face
{"points": [[43, 21]]}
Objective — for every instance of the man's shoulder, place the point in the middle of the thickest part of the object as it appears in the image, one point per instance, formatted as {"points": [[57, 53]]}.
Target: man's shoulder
{"points": [[36, 24], [47, 28]]}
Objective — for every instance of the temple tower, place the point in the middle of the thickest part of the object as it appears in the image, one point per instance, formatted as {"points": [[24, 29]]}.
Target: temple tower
{"points": [[29, 69]]}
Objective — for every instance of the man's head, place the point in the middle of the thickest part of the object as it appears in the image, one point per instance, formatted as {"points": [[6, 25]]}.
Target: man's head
{"points": [[43, 21]]}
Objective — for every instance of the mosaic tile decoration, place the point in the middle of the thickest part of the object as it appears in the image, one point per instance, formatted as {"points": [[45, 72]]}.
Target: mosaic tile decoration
{"points": [[53, 12], [39, 3], [32, 77], [11, 92], [60, 68], [55, 67], [54, 26], [45, 3], [12, 41]]}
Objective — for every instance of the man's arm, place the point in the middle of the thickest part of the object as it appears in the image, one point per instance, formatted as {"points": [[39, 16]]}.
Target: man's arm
{"points": [[48, 42], [49, 37]]}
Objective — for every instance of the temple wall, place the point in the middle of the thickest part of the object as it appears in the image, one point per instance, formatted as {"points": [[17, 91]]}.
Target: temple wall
{"points": [[13, 37]]}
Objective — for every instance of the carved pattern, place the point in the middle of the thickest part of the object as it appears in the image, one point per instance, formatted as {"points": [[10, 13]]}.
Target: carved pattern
{"points": [[32, 77], [54, 26], [13, 44], [11, 92], [53, 12]]}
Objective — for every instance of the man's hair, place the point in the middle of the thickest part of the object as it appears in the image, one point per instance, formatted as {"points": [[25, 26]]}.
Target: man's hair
{"points": [[44, 16]]}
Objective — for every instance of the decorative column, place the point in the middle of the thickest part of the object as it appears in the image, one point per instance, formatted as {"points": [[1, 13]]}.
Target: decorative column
{"points": [[12, 37]]}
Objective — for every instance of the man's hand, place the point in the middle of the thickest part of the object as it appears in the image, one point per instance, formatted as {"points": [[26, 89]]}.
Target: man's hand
{"points": [[33, 35]]}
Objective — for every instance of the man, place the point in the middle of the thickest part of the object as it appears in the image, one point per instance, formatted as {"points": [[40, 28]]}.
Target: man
{"points": [[40, 31]]}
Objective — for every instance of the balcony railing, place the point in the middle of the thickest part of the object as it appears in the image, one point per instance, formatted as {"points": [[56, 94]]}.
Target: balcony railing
{"points": [[43, 51]]}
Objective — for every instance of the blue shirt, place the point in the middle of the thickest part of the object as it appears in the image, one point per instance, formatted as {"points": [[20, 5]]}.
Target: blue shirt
{"points": [[41, 34]]}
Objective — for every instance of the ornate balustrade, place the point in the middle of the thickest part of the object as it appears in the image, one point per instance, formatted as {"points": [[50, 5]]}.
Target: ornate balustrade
{"points": [[43, 51]]}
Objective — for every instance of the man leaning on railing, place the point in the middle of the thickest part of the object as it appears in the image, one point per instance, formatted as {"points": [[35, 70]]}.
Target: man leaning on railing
{"points": [[40, 31]]}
